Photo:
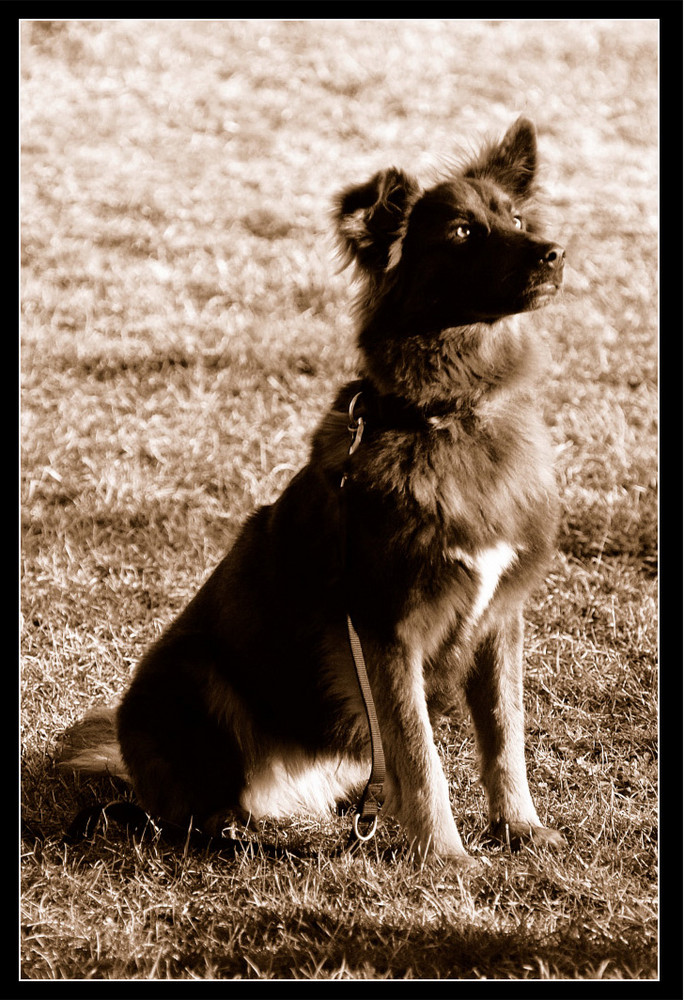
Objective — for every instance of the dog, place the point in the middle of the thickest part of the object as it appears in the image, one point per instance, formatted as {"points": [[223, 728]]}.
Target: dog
{"points": [[429, 533]]}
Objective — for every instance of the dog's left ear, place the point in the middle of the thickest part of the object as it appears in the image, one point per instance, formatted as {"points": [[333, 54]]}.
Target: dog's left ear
{"points": [[512, 163]]}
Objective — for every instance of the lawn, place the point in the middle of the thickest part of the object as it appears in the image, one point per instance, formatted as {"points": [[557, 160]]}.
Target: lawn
{"points": [[184, 323]]}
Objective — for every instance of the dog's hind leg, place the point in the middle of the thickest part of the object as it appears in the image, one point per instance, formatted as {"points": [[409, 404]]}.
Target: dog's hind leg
{"points": [[182, 753], [494, 691]]}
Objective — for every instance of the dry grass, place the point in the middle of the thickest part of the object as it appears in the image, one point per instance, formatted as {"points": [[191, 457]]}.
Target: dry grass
{"points": [[183, 326]]}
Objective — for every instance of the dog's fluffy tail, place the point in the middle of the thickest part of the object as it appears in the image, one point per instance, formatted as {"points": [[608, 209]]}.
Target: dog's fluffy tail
{"points": [[92, 746]]}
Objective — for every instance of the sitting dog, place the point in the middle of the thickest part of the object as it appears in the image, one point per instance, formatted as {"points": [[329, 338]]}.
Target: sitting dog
{"points": [[430, 535]]}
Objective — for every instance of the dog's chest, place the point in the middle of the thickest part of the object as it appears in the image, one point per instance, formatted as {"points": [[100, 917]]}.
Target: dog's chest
{"points": [[463, 514], [486, 568], [452, 609]]}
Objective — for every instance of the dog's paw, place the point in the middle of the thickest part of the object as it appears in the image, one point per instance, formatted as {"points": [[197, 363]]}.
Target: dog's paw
{"points": [[458, 861], [451, 853], [546, 836], [463, 864], [515, 834]]}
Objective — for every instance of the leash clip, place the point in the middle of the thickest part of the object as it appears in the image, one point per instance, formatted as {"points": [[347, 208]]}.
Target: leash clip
{"points": [[355, 428]]}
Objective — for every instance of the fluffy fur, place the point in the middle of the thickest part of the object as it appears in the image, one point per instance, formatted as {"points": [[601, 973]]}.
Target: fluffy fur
{"points": [[249, 704]]}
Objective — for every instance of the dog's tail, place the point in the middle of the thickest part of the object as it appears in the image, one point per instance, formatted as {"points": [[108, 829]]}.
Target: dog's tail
{"points": [[92, 745]]}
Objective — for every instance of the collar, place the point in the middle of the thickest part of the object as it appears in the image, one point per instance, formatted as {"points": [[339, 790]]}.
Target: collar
{"points": [[388, 411]]}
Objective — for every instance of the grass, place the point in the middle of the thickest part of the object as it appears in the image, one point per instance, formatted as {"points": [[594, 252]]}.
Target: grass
{"points": [[183, 325]]}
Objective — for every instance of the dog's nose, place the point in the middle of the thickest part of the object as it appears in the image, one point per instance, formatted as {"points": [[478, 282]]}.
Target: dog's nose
{"points": [[554, 256]]}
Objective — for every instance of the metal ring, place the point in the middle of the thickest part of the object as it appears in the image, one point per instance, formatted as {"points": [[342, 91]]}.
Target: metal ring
{"points": [[353, 404], [371, 832]]}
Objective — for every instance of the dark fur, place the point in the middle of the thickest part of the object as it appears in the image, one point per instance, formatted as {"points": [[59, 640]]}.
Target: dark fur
{"points": [[450, 521]]}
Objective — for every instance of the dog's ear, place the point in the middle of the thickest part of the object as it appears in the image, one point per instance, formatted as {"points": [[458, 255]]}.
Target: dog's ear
{"points": [[512, 163], [372, 218]]}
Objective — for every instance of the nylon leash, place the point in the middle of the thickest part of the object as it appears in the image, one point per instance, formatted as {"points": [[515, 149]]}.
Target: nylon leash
{"points": [[371, 801], [373, 796]]}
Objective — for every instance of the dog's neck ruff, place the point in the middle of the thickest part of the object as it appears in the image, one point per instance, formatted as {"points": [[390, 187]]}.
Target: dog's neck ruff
{"points": [[429, 377]]}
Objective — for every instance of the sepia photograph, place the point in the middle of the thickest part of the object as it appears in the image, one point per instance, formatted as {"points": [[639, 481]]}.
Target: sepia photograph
{"points": [[338, 401]]}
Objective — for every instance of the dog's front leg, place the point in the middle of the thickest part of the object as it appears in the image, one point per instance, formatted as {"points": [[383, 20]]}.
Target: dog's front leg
{"points": [[418, 793], [494, 691]]}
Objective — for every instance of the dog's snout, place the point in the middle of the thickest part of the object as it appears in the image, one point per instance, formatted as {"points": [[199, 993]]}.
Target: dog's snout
{"points": [[553, 256]]}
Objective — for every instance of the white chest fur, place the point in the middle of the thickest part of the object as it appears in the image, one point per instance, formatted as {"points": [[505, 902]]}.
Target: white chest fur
{"points": [[488, 565]]}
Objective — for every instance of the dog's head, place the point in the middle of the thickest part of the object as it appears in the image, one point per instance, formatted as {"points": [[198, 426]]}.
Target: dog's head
{"points": [[462, 251]]}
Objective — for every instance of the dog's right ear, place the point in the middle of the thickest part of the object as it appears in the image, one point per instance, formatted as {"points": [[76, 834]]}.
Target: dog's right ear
{"points": [[372, 218]]}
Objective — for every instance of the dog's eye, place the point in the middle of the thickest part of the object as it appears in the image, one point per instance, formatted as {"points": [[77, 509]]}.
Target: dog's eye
{"points": [[462, 232], [517, 222]]}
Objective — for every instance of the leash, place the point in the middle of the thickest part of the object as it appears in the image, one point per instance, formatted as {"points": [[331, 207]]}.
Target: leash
{"points": [[371, 801]]}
